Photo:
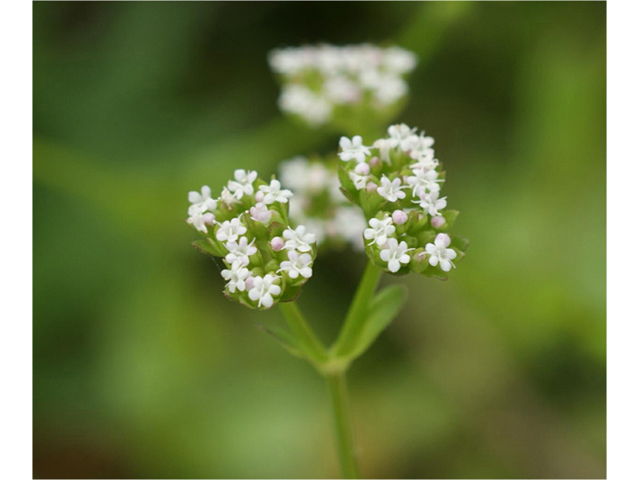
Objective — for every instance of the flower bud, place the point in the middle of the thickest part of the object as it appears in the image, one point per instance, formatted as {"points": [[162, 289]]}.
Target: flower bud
{"points": [[209, 218], [437, 222], [374, 162], [260, 213], [249, 283], [277, 244], [259, 196], [371, 187], [399, 217], [362, 169]]}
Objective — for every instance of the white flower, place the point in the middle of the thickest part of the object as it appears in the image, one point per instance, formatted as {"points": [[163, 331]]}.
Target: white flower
{"points": [[426, 161], [227, 197], [317, 227], [384, 145], [260, 213], [430, 202], [298, 239], [353, 149], [360, 181], [391, 89], [399, 60], [200, 220], [302, 101], [263, 290], [391, 191], [274, 193], [341, 90], [439, 253], [229, 231], [349, 223], [395, 254], [379, 231], [401, 135], [421, 146], [423, 180], [201, 202], [240, 251], [243, 183], [236, 276], [298, 264]]}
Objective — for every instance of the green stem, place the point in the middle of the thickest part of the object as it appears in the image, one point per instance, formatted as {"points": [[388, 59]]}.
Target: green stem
{"points": [[358, 310], [346, 449], [303, 331]]}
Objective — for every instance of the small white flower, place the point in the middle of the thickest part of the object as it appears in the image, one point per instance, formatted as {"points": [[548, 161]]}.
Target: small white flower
{"points": [[380, 230], [353, 149], [421, 146], [274, 193], [360, 181], [201, 220], [298, 264], [423, 180], [316, 227], [243, 183], [263, 290], [236, 276], [391, 191], [439, 253], [229, 231], [201, 202], [426, 161], [227, 197], [395, 254], [298, 239], [430, 202], [384, 145], [260, 213], [362, 168], [401, 135], [240, 251], [399, 60]]}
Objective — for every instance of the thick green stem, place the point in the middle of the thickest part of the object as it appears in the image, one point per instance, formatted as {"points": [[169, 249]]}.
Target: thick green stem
{"points": [[303, 331], [346, 449], [358, 310]]}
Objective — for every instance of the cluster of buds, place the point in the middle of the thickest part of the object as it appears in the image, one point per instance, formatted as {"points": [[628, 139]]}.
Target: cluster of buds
{"points": [[247, 226], [397, 181], [319, 204], [325, 82]]}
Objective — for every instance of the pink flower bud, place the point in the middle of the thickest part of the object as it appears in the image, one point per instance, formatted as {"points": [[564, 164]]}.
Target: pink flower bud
{"points": [[208, 218], [371, 187], [249, 283], [277, 244], [259, 196], [374, 161], [362, 169], [399, 217], [437, 222]]}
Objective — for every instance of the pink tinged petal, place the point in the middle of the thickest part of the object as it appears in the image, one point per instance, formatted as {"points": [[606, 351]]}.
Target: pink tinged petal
{"points": [[450, 253], [430, 248], [444, 238]]}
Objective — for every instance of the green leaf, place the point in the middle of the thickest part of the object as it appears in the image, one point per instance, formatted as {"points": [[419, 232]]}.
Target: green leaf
{"points": [[287, 340], [207, 248], [383, 308]]}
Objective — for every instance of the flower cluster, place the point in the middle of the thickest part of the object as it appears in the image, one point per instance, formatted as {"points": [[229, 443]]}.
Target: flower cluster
{"points": [[319, 204], [323, 82], [265, 259], [397, 181]]}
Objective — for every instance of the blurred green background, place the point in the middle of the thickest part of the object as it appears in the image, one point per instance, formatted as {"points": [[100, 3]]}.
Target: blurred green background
{"points": [[143, 369]]}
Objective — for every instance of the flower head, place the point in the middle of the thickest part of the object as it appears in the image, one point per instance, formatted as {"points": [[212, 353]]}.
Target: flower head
{"points": [[391, 190], [431, 203], [201, 201], [246, 230], [380, 230]]}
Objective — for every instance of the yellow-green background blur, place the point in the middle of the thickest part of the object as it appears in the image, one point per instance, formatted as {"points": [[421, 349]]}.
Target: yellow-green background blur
{"points": [[143, 369]]}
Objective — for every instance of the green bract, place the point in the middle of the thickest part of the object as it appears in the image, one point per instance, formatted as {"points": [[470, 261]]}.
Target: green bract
{"points": [[247, 227]]}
